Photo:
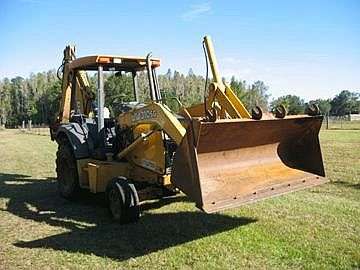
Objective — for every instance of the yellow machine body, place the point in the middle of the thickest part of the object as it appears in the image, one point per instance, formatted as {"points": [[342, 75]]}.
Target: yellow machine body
{"points": [[220, 163]]}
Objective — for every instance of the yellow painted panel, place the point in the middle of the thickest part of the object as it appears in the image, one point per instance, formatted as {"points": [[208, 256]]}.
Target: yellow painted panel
{"points": [[99, 173], [150, 153], [237, 103]]}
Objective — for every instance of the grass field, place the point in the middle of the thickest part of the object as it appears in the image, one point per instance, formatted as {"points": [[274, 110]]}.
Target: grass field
{"points": [[315, 228]]}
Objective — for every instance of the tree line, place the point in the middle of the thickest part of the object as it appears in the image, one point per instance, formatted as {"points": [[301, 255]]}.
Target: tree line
{"points": [[344, 103], [37, 97]]}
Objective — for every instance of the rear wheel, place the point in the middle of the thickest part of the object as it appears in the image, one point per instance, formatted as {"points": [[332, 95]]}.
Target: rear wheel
{"points": [[66, 170], [123, 200]]}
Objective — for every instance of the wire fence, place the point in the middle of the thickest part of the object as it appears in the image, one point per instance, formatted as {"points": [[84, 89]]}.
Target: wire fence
{"points": [[329, 122], [42, 130], [340, 122]]}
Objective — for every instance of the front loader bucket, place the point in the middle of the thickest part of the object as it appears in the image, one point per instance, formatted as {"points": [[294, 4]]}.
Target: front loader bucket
{"points": [[226, 163]]}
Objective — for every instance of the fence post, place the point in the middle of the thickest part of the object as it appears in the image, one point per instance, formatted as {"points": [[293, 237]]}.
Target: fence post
{"points": [[327, 120]]}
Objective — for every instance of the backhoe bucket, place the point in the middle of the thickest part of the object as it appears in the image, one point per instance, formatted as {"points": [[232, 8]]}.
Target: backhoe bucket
{"points": [[226, 163]]}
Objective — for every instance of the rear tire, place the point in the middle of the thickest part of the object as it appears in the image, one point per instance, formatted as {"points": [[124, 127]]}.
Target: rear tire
{"points": [[66, 170], [123, 200]]}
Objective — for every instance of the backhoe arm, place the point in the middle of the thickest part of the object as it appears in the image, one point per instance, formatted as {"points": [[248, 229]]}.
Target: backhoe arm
{"points": [[75, 88]]}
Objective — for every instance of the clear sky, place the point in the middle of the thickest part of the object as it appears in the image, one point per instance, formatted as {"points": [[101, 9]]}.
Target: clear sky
{"points": [[307, 48]]}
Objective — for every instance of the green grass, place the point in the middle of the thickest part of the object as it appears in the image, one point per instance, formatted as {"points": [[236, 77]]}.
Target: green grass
{"points": [[314, 228]]}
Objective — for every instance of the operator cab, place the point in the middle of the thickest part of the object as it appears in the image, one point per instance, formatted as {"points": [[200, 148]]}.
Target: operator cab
{"points": [[91, 110]]}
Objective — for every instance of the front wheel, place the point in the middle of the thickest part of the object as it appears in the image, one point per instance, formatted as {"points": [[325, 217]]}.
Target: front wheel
{"points": [[123, 200]]}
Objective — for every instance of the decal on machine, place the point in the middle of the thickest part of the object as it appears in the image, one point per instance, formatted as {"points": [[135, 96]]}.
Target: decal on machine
{"points": [[144, 115], [148, 164]]}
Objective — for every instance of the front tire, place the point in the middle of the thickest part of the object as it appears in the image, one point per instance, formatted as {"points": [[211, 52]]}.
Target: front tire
{"points": [[123, 200], [66, 170]]}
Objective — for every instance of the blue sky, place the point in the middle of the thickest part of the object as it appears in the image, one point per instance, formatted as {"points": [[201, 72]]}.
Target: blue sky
{"points": [[306, 48]]}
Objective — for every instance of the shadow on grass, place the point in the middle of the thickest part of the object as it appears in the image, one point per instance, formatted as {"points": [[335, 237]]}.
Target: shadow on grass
{"points": [[346, 184], [91, 229]]}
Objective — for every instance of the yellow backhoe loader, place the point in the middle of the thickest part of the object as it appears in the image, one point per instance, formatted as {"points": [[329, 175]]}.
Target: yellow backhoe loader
{"points": [[217, 153]]}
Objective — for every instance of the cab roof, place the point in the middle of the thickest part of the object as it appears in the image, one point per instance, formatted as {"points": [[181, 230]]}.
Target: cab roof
{"points": [[113, 63]]}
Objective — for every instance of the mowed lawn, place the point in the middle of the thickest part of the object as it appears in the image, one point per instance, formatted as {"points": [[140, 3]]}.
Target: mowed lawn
{"points": [[314, 228]]}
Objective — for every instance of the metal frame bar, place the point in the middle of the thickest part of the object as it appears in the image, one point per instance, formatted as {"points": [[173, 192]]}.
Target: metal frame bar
{"points": [[157, 88], [150, 77], [135, 85], [100, 99]]}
